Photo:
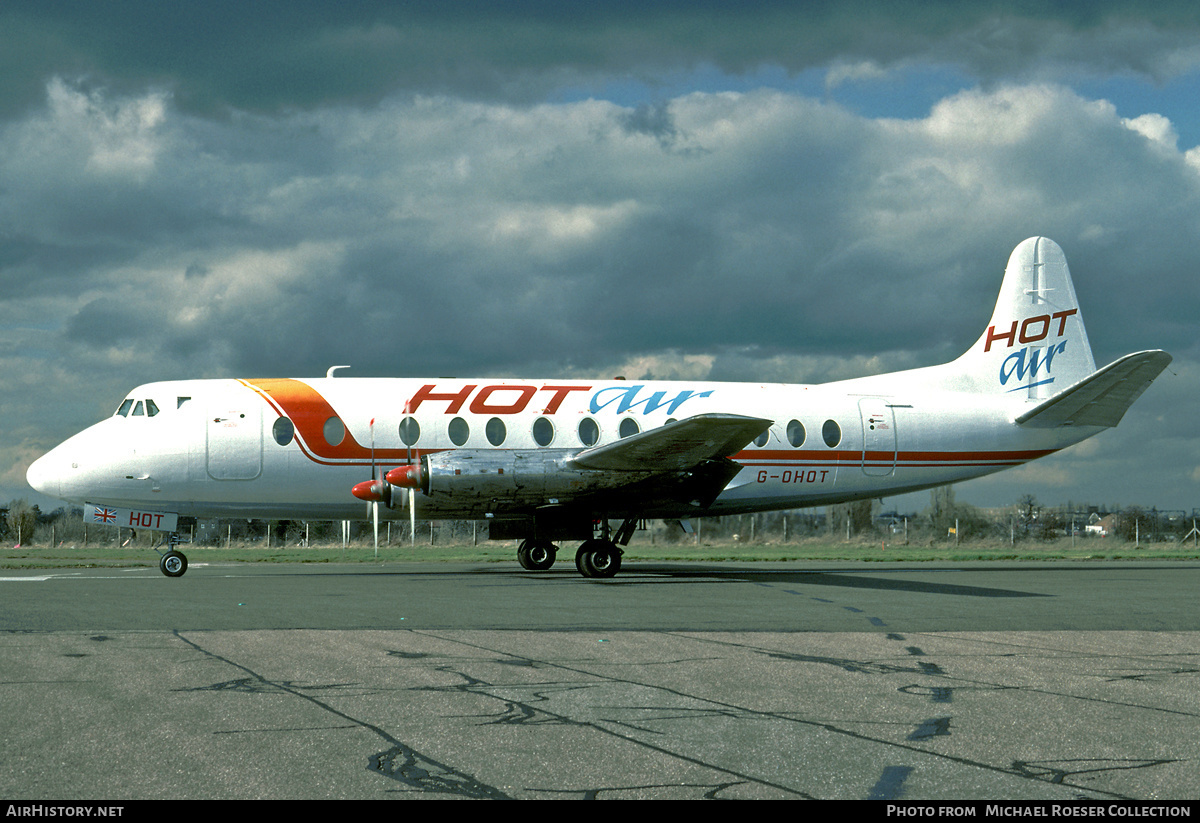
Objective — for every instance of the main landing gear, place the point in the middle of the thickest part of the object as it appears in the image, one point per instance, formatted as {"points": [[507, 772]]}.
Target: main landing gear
{"points": [[536, 555], [598, 557]]}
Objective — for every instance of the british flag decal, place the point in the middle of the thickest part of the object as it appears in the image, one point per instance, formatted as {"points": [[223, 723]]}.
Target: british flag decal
{"points": [[132, 519]]}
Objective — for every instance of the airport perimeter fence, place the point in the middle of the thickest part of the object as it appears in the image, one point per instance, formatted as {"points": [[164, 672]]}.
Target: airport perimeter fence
{"points": [[24, 524]]}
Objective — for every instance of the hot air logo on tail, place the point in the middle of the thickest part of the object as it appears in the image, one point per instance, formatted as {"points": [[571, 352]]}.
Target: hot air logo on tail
{"points": [[1032, 359], [1027, 363]]}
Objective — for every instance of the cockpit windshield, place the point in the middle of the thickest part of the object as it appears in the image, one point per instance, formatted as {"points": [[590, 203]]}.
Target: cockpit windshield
{"points": [[137, 408]]}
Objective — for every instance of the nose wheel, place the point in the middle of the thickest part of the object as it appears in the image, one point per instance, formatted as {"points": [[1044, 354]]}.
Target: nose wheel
{"points": [[172, 563]]}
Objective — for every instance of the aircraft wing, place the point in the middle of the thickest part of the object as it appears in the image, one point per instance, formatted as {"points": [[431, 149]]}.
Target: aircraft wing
{"points": [[676, 446], [1101, 399]]}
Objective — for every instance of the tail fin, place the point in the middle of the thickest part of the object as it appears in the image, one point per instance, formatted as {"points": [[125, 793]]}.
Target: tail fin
{"points": [[1035, 344]]}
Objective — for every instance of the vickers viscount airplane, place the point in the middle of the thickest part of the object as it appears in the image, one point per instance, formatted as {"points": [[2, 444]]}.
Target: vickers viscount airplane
{"points": [[550, 461]]}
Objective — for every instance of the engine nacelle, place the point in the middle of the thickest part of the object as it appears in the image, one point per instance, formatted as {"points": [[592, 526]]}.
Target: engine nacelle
{"points": [[482, 483], [493, 480]]}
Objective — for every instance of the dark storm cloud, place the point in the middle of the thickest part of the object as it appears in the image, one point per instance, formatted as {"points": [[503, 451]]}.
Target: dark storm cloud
{"points": [[464, 236], [272, 56]]}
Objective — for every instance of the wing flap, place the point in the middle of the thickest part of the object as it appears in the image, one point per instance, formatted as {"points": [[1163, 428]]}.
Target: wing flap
{"points": [[1101, 399], [675, 446]]}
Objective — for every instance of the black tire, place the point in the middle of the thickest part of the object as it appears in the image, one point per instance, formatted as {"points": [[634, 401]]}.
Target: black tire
{"points": [[598, 559], [172, 564], [536, 555]]}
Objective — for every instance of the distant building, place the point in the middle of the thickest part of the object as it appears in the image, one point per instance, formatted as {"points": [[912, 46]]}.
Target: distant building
{"points": [[1100, 526]]}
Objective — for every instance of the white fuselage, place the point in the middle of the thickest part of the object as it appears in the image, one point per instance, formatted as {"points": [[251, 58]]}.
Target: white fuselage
{"points": [[291, 449]]}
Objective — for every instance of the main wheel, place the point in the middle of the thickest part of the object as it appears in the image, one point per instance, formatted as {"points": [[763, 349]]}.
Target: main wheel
{"points": [[536, 555], [598, 558], [173, 564]]}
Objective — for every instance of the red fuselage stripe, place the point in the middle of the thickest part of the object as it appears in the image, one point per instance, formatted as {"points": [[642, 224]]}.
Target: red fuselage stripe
{"points": [[309, 411]]}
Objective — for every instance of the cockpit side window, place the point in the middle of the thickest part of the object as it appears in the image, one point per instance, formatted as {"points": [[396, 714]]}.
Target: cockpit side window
{"points": [[124, 410], [138, 410], [151, 408]]}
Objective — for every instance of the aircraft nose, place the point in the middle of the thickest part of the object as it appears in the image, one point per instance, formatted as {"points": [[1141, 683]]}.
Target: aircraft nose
{"points": [[44, 475]]}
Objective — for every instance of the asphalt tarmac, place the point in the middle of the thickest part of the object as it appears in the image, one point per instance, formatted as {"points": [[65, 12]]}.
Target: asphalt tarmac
{"points": [[1055, 681]]}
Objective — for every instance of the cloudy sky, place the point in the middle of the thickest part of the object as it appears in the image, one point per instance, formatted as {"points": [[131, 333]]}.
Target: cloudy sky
{"points": [[698, 190]]}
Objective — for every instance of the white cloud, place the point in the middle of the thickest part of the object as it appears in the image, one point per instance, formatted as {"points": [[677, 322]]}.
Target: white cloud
{"points": [[1156, 128]]}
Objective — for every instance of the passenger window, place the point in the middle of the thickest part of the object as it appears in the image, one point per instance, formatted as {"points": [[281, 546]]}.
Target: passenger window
{"points": [[125, 407], [762, 439], [629, 427], [589, 432], [334, 431], [459, 431], [495, 431], [543, 431], [410, 431], [831, 433], [795, 433], [283, 431]]}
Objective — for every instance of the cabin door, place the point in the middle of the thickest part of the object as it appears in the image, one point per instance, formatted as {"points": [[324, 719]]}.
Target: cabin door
{"points": [[234, 442], [879, 436]]}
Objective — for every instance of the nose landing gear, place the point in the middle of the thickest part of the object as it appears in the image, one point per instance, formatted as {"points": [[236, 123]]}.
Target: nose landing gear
{"points": [[172, 563]]}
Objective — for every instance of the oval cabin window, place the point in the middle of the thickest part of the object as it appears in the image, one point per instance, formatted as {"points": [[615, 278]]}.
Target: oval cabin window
{"points": [[589, 432], [410, 431], [334, 431], [831, 433], [495, 431], [795, 433], [283, 431], [543, 431]]}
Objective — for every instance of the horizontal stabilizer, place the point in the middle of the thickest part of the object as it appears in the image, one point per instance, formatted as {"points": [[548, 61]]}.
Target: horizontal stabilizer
{"points": [[1103, 398], [675, 446]]}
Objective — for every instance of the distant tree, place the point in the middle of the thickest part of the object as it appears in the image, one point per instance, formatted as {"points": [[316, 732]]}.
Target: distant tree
{"points": [[1028, 511], [22, 521], [946, 513], [1133, 524], [941, 510], [860, 514]]}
